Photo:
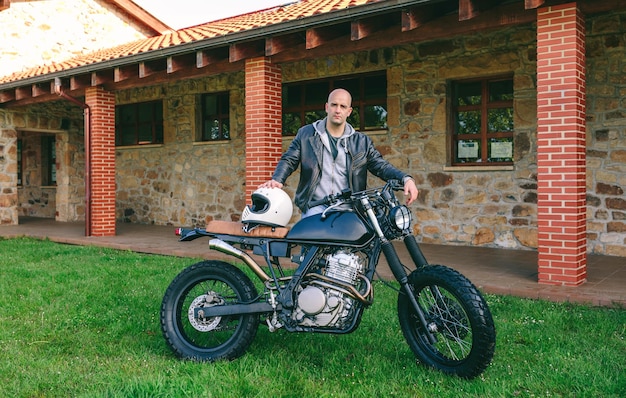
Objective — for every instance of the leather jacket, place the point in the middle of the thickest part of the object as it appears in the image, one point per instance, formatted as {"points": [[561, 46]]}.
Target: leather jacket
{"points": [[307, 150]]}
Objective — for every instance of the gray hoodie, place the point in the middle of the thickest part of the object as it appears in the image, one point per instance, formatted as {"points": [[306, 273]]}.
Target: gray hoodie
{"points": [[335, 175]]}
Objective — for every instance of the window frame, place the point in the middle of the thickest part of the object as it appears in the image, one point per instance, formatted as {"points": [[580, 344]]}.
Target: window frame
{"points": [[48, 160], [359, 100], [483, 136], [20, 174], [155, 122], [222, 115]]}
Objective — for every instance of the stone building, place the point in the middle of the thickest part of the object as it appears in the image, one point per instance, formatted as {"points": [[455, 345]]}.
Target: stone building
{"points": [[511, 117], [48, 32]]}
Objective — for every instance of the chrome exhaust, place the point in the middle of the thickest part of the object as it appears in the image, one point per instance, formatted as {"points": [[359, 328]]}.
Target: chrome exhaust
{"points": [[221, 246]]}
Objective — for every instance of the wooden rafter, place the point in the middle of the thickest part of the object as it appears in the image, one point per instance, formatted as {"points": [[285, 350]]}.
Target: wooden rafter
{"points": [[80, 82], [180, 62], [122, 73], [530, 4], [416, 17], [102, 77], [277, 44], [210, 57], [363, 28], [250, 49], [469, 9], [41, 89], [316, 37]]}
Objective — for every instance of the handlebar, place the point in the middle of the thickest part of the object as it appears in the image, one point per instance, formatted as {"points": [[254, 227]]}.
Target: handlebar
{"points": [[347, 195], [330, 199]]}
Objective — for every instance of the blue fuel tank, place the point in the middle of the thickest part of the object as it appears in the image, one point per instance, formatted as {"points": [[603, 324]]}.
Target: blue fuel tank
{"points": [[337, 227]]}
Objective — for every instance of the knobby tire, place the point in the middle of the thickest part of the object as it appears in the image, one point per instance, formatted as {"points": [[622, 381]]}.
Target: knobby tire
{"points": [[208, 339], [463, 324]]}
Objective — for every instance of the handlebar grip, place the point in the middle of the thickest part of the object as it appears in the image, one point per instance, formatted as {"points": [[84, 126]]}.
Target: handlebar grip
{"points": [[330, 199], [325, 200]]}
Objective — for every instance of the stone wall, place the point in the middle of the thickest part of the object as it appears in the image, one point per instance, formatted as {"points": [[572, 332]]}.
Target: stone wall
{"points": [[41, 32], [184, 182], [8, 176], [65, 201], [606, 134]]}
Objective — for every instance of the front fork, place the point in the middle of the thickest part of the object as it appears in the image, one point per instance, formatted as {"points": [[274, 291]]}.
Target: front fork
{"points": [[400, 274], [396, 265]]}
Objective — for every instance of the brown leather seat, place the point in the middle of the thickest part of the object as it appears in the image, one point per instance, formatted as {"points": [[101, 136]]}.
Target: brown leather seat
{"points": [[236, 228]]}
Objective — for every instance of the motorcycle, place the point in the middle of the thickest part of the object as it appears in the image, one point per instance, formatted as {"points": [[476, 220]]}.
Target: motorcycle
{"points": [[212, 310]]}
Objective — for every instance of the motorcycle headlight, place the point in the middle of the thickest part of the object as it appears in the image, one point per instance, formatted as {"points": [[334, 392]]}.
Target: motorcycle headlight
{"points": [[400, 217]]}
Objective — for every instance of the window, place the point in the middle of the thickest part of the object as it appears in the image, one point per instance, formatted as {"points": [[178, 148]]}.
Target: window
{"points": [[215, 117], [482, 120], [19, 162], [303, 102], [139, 124], [48, 161]]}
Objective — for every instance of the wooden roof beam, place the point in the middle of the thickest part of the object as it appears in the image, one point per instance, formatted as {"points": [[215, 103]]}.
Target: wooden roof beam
{"points": [[416, 17], [122, 73], [530, 4], [250, 49], [102, 77], [42, 89], [149, 68], [277, 44], [316, 37], [7, 95], [469, 9], [78, 82], [181, 62], [23, 93], [366, 27], [212, 56]]}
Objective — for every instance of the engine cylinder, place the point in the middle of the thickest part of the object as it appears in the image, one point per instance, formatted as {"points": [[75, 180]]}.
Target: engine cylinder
{"points": [[343, 266]]}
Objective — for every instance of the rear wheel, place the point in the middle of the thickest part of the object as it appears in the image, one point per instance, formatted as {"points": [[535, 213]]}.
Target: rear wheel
{"points": [[457, 316], [191, 335]]}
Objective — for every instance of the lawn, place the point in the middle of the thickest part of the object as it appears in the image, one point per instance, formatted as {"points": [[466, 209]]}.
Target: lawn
{"points": [[84, 322]]}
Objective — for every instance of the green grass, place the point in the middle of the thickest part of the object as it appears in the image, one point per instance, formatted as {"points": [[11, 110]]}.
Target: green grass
{"points": [[84, 322]]}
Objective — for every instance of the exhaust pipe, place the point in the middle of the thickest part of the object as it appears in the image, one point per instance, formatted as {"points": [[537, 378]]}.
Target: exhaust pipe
{"points": [[221, 246]]}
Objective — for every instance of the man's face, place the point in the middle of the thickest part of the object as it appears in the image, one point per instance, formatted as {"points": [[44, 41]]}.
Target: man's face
{"points": [[338, 107]]}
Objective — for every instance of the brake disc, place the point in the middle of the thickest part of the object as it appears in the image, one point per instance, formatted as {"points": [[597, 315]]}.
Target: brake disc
{"points": [[196, 314]]}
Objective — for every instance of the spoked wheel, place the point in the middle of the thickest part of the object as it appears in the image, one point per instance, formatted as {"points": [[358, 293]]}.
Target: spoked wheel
{"points": [[456, 315], [188, 332]]}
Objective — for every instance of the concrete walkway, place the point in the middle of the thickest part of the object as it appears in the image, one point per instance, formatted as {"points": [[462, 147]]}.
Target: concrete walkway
{"points": [[497, 271]]}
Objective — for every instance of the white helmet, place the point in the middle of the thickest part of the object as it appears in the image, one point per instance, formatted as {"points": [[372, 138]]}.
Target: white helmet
{"points": [[270, 206]]}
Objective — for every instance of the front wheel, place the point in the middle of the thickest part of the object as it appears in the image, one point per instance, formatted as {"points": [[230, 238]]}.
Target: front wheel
{"points": [[458, 317], [191, 335]]}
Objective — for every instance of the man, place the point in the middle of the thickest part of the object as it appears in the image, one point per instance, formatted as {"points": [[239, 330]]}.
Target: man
{"points": [[333, 157]]}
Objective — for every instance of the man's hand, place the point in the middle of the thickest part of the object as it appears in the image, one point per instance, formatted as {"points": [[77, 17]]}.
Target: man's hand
{"points": [[410, 191], [274, 184]]}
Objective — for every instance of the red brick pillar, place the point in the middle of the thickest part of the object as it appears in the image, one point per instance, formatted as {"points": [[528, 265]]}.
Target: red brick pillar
{"points": [[263, 121], [561, 163], [100, 197]]}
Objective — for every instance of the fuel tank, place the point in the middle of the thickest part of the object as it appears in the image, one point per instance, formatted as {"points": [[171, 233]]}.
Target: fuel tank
{"points": [[337, 227]]}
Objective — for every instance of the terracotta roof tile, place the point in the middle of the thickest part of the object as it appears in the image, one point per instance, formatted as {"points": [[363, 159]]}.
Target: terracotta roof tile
{"points": [[290, 12]]}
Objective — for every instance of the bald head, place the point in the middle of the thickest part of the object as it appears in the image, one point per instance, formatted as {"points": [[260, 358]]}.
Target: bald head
{"points": [[338, 108], [340, 93]]}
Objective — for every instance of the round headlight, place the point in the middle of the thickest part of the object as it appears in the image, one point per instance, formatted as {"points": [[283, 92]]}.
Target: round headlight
{"points": [[401, 217]]}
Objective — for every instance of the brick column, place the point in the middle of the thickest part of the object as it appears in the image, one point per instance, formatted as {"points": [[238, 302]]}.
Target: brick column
{"points": [[561, 167], [263, 121], [102, 150]]}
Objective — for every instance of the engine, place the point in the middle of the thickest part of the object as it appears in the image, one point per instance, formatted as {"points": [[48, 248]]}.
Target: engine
{"points": [[329, 298]]}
